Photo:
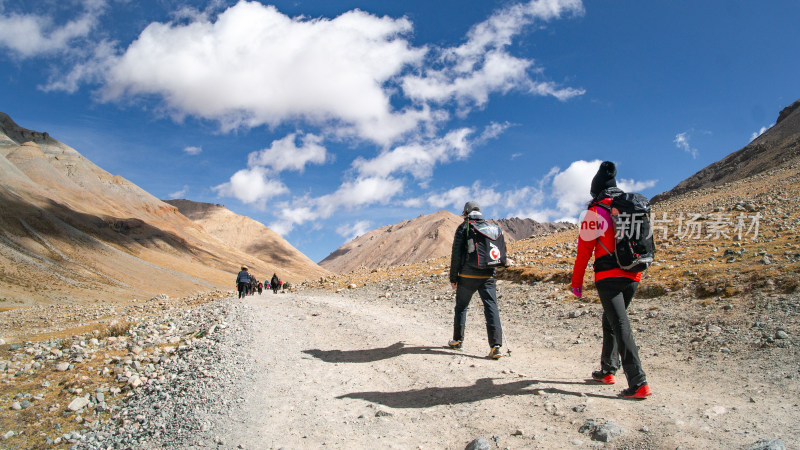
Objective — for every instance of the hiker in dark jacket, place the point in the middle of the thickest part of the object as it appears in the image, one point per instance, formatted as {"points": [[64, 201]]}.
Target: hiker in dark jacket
{"points": [[615, 286], [274, 283], [465, 280], [242, 280]]}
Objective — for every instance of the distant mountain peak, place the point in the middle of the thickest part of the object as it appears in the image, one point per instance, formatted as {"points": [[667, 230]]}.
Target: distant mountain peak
{"points": [[773, 148], [19, 134]]}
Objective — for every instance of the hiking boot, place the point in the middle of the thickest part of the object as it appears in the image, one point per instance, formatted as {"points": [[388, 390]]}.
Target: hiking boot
{"points": [[637, 392], [603, 377], [454, 344], [495, 353]]}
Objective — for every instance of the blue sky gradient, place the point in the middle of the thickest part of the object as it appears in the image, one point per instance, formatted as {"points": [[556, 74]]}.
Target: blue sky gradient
{"points": [[326, 119]]}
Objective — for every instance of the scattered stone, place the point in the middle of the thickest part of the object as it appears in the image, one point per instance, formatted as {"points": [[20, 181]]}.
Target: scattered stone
{"points": [[517, 433], [604, 432], [478, 444], [780, 334], [765, 444], [9, 435], [382, 413], [579, 408], [16, 406], [77, 404], [62, 366]]}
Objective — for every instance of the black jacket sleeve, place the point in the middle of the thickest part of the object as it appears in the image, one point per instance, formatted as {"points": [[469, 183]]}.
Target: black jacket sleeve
{"points": [[457, 256]]}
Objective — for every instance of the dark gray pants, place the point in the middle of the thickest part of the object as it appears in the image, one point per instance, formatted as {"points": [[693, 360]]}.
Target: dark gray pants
{"points": [[616, 294], [487, 290]]}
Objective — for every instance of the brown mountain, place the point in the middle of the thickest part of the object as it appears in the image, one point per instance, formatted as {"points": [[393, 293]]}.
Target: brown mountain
{"points": [[425, 237], [411, 241], [517, 229], [250, 237], [70, 231], [776, 146]]}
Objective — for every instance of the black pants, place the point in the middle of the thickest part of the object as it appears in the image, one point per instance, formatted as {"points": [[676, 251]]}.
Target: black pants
{"points": [[616, 294], [242, 289], [487, 289]]}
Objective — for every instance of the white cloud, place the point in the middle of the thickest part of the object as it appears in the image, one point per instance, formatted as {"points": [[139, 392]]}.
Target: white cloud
{"points": [[682, 142], [352, 231], [192, 150], [571, 187], [760, 132], [255, 66], [179, 194], [629, 185], [252, 186], [284, 154], [418, 159], [351, 194], [481, 66], [30, 35]]}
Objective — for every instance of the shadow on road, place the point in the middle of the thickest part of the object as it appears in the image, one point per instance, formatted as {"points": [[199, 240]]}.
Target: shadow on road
{"points": [[378, 354], [483, 389]]}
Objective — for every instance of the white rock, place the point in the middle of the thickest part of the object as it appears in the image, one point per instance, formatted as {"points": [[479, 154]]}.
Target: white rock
{"points": [[62, 366], [78, 403]]}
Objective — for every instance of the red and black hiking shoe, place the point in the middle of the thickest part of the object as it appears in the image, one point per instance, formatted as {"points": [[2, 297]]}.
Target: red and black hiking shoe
{"points": [[637, 392], [603, 377]]}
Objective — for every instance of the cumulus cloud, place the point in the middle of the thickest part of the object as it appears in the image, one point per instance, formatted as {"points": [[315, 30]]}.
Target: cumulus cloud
{"points": [[31, 35], [192, 150], [256, 66], [284, 154], [351, 194], [682, 142], [252, 186], [569, 188], [419, 158]]}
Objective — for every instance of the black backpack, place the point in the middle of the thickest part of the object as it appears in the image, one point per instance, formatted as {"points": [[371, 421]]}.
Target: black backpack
{"points": [[486, 245], [635, 248]]}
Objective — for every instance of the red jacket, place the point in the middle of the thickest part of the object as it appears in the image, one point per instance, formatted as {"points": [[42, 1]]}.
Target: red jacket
{"points": [[597, 228]]}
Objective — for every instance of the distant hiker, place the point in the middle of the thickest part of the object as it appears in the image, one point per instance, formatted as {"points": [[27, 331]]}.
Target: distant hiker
{"points": [[274, 283], [242, 280], [466, 277], [260, 288], [615, 286]]}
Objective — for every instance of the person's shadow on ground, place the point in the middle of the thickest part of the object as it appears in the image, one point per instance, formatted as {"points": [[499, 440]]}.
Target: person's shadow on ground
{"points": [[483, 389], [378, 354]]}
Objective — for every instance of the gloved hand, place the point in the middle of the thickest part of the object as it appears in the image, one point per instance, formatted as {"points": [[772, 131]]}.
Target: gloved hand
{"points": [[578, 291]]}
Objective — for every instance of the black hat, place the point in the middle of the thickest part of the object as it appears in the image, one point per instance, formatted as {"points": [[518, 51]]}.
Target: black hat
{"points": [[469, 207], [604, 178]]}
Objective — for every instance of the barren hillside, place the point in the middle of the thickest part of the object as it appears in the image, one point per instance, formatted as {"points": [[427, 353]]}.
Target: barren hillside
{"points": [[70, 231], [777, 145], [251, 237], [425, 237]]}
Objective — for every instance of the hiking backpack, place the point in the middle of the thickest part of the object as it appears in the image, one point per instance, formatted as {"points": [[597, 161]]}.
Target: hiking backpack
{"points": [[635, 248], [486, 245]]}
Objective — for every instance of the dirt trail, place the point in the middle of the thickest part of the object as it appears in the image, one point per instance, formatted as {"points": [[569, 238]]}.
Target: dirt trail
{"points": [[337, 372]]}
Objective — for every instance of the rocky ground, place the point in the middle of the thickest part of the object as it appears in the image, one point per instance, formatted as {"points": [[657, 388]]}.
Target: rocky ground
{"points": [[278, 370], [358, 360]]}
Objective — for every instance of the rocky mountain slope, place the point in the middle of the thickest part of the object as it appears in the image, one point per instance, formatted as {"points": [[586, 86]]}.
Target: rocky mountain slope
{"points": [[70, 231], [425, 237], [516, 229], [774, 147], [250, 237]]}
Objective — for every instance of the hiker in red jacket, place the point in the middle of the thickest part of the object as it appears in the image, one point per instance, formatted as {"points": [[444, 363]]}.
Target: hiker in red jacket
{"points": [[615, 286]]}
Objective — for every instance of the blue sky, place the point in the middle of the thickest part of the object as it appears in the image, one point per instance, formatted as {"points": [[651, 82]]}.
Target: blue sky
{"points": [[326, 119]]}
